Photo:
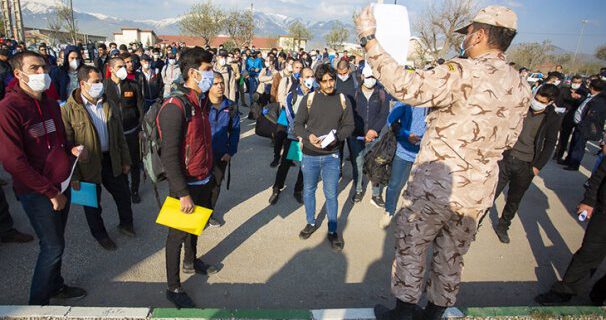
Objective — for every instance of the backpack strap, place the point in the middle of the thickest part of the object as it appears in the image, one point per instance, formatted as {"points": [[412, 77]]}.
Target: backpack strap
{"points": [[310, 99], [180, 100], [343, 101]]}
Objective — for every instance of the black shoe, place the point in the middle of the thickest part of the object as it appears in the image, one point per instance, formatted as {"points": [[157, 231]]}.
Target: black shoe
{"points": [[136, 198], [128, 231], [299, 197], [571, 168], [108, 244], [203, 268], [336, 243], [180, 299], [377, 201], [357, 197], [552, 298], [275, 196], [402, 311], [502, 234], [562, 162], [433, 312], [275, 163], [307, 231], [251, 116], [70, 293], [15, 236], [214, 223]]}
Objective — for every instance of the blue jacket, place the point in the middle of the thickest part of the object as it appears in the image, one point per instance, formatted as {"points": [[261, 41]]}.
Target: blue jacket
{"points": [[224, 141], [403, 113], [252, 64], [60, 75]]}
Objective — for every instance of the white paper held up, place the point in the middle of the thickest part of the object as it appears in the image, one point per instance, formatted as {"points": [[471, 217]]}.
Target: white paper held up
{"points": [[328, 139], [65, 184], [393, 30]]}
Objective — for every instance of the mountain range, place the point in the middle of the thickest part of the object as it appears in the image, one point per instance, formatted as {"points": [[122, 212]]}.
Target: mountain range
{"points": [[37, 12]]}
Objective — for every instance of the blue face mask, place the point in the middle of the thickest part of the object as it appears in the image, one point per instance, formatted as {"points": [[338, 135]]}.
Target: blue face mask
{"points": [[462, 49], [296, 75]]}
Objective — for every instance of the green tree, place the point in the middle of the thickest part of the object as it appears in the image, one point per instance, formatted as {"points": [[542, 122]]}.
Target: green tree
{"points": [[600, 52], [337, 35], [240, 27], [298, 32], [204, 20]]}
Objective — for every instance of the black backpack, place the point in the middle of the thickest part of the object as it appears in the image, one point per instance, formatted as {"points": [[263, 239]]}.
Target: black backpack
{"points": [[378, 161]]}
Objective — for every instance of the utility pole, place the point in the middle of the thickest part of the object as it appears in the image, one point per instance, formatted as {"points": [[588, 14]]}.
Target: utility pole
{"points": [[73, 22], [583, 23], [7, 19], [19, 32], [252, 14]]}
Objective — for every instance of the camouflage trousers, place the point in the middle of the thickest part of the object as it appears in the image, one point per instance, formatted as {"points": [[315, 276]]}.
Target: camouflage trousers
{"points": [[450, 234]]}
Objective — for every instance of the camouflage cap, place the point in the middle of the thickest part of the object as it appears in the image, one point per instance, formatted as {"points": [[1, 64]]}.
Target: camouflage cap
{"points": [[496, 16]]}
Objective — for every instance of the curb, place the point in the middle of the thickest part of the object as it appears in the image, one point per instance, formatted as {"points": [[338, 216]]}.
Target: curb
{"points": [[94, 313]]}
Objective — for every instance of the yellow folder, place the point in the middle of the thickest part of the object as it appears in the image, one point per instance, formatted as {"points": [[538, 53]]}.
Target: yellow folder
{"points": [[172, 216]]}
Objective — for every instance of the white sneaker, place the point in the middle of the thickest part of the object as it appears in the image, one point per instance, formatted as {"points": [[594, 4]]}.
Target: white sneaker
{"points": [[385, 220]]}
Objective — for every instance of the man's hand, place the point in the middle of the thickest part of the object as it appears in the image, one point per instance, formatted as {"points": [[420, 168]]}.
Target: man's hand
{"points": [[226, 157], [535, 171], [80, 151], [413, 138], [187, 204], [371, 135], [366, 23], [125, 169], [76, 185], [58, 202], [315, 141], [575, 96], [583, 207]]}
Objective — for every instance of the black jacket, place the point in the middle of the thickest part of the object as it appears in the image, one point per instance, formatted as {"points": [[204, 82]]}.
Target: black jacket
{"points": [[591, 126], [565, 99], [100, 64], [596, 193], [130, 100], [152, 88], [370, 114]]}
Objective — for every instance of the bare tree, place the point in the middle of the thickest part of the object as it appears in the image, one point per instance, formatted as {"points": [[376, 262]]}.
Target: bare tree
{"points": [[204, 20], [600, 52], [337, 35], [55, 26], [65, 19], [436, 26], [299, 32], [240, 27], [531, 54]]}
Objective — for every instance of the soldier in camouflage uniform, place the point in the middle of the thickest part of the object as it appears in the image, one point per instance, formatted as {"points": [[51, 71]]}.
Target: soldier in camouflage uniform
{"points": [[479, 107]]}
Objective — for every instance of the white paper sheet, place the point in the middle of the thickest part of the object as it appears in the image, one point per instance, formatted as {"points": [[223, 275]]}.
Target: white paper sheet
{"points": [[65, 184], [393, 30], [328, 139]]}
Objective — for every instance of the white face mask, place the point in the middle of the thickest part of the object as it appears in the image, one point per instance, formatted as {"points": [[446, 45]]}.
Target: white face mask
{"points": [[222, 62], [230, 60], [557, 83], [575, 86], [74, 64], [289, 67], [96, 90], [121, 73], [145, 66], [537, 106], [309, 83], [172, 61], [156, 56], [344, 77], [207, 80], [370, 82], [39, 82]]}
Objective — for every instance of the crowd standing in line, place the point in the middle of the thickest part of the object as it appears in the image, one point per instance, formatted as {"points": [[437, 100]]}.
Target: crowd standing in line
{"points": [[456, 144]]}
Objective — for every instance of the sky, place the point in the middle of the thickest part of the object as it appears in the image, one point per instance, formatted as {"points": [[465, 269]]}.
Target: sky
{"points": [[556, 20]]}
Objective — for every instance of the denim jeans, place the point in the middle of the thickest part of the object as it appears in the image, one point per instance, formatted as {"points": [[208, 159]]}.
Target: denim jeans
{"points": [[49, 226], [328, 167], [358, 150], [253, 83], [400, 171]]}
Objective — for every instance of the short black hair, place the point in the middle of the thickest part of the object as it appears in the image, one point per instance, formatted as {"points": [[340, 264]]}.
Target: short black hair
{"points": [[282, 55], [576, 77], [192, 58], [523, 69], [123, 47], [16, 61], [324, 69], [112, 44], [85, 71], [42, 45], [342, 65], [549, 91], [598, 84], [102, 46], [553, 75], [498, 37]]}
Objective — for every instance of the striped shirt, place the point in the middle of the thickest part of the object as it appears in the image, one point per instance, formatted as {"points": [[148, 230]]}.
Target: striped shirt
{"points": [[99, 121]]}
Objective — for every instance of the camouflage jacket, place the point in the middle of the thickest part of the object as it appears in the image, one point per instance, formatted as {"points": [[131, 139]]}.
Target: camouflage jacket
{"points": [[479, 108]]}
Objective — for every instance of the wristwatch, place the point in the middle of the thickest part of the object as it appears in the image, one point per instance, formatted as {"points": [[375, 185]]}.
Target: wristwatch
{"points": [[364, 40]]}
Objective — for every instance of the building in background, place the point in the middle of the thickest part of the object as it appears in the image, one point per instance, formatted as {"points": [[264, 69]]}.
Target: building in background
{"points": [[258, 42], [130, 35], [290, 43], [38, 35]]}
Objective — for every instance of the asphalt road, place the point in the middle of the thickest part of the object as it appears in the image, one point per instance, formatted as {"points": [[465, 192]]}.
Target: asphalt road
{"points": [[265, 265]]}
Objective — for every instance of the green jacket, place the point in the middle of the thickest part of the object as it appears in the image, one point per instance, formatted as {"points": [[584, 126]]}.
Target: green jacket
{"points": [[80, 130]]}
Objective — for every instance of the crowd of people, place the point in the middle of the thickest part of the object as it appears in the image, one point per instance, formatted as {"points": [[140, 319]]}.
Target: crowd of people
{"points": [[464, 129]]}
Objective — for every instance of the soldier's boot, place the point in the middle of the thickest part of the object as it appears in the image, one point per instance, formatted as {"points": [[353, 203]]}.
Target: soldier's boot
{"points": [[433, 312], [402, 311]]}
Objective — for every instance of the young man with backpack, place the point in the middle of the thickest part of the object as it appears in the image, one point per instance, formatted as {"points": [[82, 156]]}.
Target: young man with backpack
{"points": [[225, 128], [322, 126], [371, 109], [183, 126]]}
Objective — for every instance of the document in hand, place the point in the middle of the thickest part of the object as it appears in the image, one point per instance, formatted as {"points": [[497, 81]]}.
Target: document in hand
{"points": [[172, 216], [86, 196], [393, 30], [328, 139]]}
